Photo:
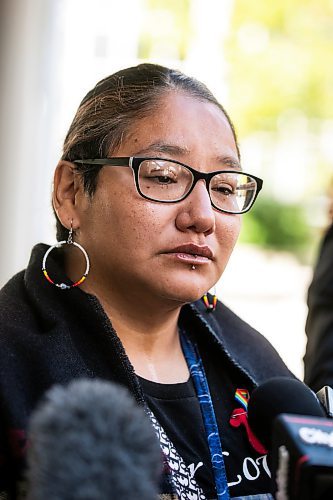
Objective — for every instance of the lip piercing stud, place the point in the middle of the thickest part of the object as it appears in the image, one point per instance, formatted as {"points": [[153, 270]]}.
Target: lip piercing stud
{"points": [[193, 267]]}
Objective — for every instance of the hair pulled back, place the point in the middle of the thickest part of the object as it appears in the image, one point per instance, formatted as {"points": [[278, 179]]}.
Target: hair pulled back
{"points": [[109, 110]]}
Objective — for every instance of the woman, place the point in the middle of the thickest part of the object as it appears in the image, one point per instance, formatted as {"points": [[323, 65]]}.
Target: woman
{"points": [[151, 192]]}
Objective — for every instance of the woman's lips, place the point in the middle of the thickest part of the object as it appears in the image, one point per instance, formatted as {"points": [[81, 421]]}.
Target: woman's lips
{"points": [[191, 259], [192, 254]]}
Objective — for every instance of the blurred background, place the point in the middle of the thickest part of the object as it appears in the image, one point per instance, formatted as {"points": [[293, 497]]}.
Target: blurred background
{"points": [[270, 65]]}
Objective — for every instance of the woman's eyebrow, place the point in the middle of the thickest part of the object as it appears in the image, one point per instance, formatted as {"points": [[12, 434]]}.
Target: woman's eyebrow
{"points": [[160, 147], [229, 161], [177, 150]]}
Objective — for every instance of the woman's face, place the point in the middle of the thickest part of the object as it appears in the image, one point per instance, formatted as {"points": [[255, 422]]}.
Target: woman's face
{"points": [[146, 249]]}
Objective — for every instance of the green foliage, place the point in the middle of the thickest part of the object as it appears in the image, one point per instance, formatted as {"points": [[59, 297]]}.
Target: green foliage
{"points": [[166, 29], [277, 226], [279, 57]]}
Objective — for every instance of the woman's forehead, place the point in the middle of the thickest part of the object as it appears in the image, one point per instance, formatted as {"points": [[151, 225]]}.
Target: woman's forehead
{"points": [[179, 124]]}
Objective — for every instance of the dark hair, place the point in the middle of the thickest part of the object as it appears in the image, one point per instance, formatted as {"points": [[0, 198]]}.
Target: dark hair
{"points": [[107, 112]]}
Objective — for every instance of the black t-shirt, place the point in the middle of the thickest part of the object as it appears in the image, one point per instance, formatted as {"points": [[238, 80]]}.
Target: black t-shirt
{"points": [[177, 409]]}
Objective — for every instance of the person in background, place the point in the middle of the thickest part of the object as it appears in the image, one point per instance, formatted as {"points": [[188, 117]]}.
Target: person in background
{"points": [[148, 196], [318, 359]]}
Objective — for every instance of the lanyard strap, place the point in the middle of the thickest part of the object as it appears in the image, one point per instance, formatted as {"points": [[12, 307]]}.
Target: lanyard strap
{"points": [[198, 375]]}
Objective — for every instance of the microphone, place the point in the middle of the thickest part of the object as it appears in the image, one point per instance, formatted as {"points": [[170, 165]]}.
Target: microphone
{"points": [[275, 396], [325, 396], [288, 418], [91, 441]]}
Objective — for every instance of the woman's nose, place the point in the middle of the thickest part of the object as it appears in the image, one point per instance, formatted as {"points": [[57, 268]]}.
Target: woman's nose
{"points": [[196, 212]]}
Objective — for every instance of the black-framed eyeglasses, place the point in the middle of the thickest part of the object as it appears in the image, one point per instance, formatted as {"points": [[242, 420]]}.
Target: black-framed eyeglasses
{"points": [[169, 181]]}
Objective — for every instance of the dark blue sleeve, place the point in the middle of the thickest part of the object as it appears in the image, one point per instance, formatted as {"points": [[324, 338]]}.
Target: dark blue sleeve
{"points": [[318, 359]]}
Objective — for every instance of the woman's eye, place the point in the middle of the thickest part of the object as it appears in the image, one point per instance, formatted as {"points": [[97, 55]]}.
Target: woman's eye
{"points": [[162, 177], [223, 189]]}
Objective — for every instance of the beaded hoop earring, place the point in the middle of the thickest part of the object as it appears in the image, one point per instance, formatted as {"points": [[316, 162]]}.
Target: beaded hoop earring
{"points": [[210, 306], [69, 241]]}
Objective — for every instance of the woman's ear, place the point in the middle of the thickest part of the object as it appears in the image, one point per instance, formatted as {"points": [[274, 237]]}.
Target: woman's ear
{"points": [[66, 185]]}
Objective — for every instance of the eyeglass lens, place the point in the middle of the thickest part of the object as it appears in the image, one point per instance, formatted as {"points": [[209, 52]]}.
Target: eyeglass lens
{"points": [[162, 180]]}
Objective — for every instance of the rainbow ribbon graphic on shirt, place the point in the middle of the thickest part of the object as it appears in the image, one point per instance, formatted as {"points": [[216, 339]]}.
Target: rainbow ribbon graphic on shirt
{"points": [[239, 419], [242, 396]]}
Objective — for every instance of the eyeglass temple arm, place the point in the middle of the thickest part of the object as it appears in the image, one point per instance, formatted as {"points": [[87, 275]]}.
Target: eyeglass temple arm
{"points": [[119, 162]]}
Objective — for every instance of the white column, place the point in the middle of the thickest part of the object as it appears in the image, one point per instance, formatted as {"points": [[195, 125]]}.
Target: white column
{"points": [[30, 54]]}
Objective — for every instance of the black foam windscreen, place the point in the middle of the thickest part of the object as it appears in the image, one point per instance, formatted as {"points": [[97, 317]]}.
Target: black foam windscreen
{"points": [[91, 441]]}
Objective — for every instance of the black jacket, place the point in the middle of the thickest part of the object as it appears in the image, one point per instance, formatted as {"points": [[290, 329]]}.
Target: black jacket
{"points": [[318, 359], [50, 336]]}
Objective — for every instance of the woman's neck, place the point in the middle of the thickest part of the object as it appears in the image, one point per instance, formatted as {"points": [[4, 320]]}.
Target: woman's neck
{"points": [[156, 354], [149, 334]]}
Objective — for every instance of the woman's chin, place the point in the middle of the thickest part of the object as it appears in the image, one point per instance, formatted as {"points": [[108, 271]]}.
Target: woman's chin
{"points": [[186, 294]]}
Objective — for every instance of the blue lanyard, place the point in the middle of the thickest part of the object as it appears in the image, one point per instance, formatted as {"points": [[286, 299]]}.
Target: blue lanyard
{"points": [[198, 375]]}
